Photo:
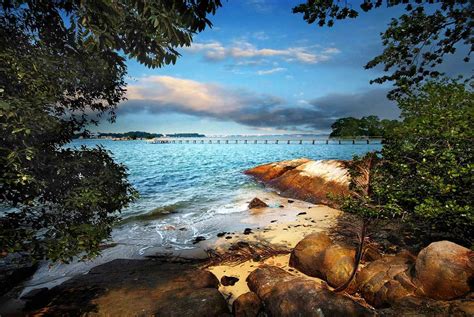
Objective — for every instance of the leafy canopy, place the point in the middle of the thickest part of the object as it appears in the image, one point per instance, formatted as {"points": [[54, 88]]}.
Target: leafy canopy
{"points": [[370, 126], [415, 43], [62, 67], [426, 169]]}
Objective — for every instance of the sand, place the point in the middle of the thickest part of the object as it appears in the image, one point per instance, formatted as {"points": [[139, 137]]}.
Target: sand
{"points": [[282, 224]]}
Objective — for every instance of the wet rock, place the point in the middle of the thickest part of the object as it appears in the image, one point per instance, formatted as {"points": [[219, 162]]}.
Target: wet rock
{"points": [[444, 270], [302, 213], [221, 234], [290, 201], [386, 280], [270, 171], [284, 294], [317, 256], [198, 239], [257, 203], [281, 206], [138, 287], [247, 231], [203, 302], [229, 280], [247, 305]]}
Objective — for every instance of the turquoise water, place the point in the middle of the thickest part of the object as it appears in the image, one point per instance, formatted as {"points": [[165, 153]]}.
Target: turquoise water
{"points": [[188, 190]]}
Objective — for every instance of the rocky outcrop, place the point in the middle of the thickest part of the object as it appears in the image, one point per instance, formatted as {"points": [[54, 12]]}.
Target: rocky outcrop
{"points": [[387, 280], [257, 203], [284, 294], [247, 305], [305, 179], [316, 255], [136, 287], [444, 270], [270, 171]]}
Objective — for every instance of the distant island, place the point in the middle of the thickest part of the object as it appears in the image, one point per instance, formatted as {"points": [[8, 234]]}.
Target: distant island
{"points": [[136, 135]]}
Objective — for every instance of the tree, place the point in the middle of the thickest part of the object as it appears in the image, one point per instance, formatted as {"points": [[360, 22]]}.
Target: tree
{"points": [[62, 67], [370, 126], [415, 43]]}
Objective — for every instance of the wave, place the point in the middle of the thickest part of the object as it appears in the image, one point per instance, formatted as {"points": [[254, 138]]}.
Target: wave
{"points": [[156, 213]]}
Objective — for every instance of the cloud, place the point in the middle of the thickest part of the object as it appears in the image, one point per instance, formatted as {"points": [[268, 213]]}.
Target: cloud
{"points": [[261, 6], [161, 94], [271, 71], [261, 36], [216, 51]]}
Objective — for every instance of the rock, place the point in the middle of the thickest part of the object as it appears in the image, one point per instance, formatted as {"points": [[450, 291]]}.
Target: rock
{"points": [[424, 307], [304, 179], [137, 287], [257, 203], [203, 302], [317, 256], [229, 280], [386, 280], [284, 294], [198, 239], [270, 171], [302, 213], [444, 270], [247, 305], [290, 201], [247, 231], [221, 234]]}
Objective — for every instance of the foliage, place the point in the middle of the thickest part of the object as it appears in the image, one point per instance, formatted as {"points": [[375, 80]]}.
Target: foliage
{"points": [[415, 43], [370, 126], [427, 169], [62, 67]]}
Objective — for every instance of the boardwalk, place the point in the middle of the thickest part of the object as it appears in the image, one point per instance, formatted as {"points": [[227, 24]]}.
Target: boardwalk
{"points": [[269, 141]]}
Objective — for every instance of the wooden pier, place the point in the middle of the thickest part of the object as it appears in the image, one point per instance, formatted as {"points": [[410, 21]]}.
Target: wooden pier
{"points": [[338, 141]]}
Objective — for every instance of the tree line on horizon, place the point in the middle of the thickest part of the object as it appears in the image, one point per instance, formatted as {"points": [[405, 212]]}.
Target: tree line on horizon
{"points": [[370, 126]]}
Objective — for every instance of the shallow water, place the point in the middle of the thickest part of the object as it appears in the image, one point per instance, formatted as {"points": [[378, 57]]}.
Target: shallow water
{"points": [[198, 188]]}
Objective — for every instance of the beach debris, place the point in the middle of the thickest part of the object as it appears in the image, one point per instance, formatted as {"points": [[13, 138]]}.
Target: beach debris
{"points": [[257, 203], [243, 251], [302, 213], [247, 231], [198, 239], [229, 280]]}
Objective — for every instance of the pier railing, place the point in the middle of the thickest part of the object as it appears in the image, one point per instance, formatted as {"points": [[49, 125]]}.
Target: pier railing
{"points": [[341, 141]]}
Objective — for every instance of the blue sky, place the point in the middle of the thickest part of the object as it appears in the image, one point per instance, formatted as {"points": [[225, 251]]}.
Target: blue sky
{"points": [[261, 70]]}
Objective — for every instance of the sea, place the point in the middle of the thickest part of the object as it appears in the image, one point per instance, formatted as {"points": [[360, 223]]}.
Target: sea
{"points": [[188, 190]]}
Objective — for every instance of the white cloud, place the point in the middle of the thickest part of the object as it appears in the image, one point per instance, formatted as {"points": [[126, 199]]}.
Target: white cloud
{"points": [[261, 36], [271, 71], [216, 51]]}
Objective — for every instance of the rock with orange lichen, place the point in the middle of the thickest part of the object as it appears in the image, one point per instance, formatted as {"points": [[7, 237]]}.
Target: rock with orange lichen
{"points": [[305, 179]]}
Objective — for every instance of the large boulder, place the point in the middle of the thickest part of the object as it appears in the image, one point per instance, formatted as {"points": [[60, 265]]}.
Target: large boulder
{"points": [[317, 256], [386, 280], [444, 270], [284, 294], [247, 305], [307, 180], [270, 171]]}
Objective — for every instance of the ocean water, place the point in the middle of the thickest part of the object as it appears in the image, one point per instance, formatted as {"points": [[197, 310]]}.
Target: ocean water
{"points": [[188, 190]]}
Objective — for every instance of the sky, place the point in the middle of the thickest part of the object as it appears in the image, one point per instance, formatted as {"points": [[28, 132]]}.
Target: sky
{"points": [[261, 70]]}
